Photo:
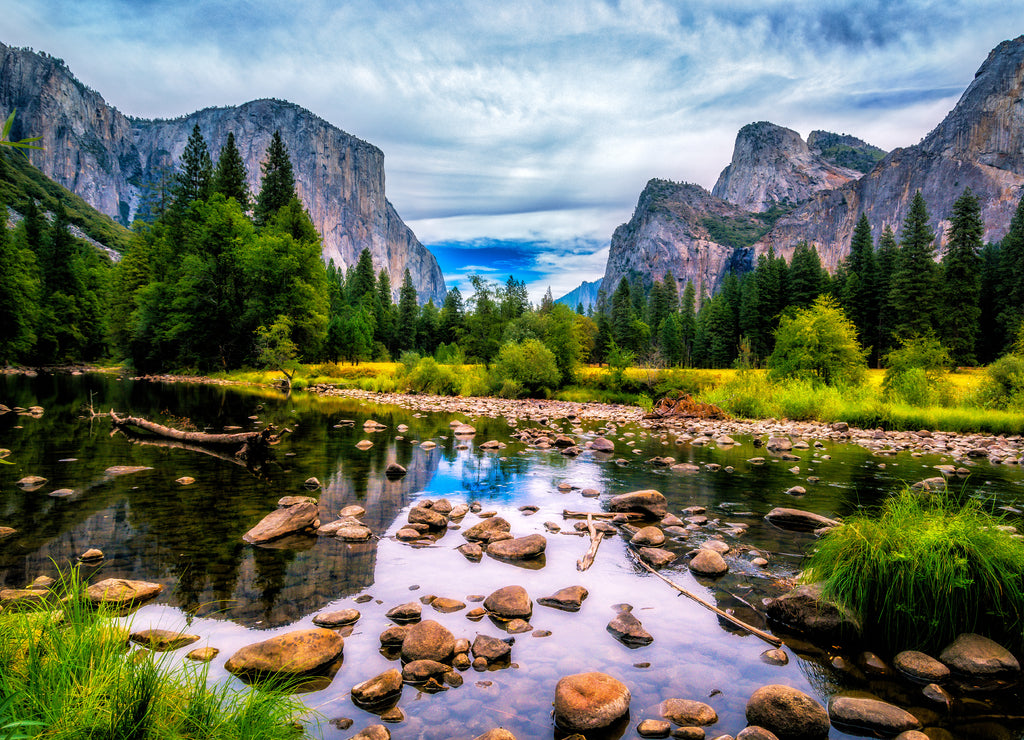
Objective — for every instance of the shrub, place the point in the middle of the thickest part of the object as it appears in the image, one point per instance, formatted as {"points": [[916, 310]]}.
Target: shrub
{"points": [[747, 394], [1003, 386], [915, 372], [926, 569], [818, 344], [528, 363], [429, 377]]}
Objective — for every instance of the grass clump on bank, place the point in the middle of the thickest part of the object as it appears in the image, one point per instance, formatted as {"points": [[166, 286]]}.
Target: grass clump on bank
{"points": [[927, 568], [67, 672]]}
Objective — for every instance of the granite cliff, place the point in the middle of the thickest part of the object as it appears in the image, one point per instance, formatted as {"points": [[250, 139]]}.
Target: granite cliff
{"points": [[107, 158], [979, 144], [585, 293], [771, 164]]}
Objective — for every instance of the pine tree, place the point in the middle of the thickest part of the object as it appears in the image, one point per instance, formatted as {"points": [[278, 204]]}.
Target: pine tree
{"points": [[547, 302], [914, 288], [453, 317], [362, 281], [195, 176], [1012, 269], [408, 313], [657, 306], [886, 258], [961, 280], [688, 322], [859, 291], [428, 328], [278, 184], [991, 338], [514, 300], [805, 276], [622, 315], [230, 177], [384, 312]]}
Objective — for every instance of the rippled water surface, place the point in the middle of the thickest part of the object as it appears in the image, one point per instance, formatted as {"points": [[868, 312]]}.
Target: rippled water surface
{"points": [[189, 538]]}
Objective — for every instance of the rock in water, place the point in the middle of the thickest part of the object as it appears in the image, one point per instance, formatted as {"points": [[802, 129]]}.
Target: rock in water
{"points": [[428, 640], [590, 701], [340, 618], [796, 519], [162, 640], [979, 657], [510, 602], [687, 713], [520, 548], [629, 630], [708, 563], [292, 654], [488, 530], [568, 599], [806, 609], [787, 712], [379, 689], [284, 521], [870, 715], [122, 592], [649, 502], [920, 667], [491, 649]]}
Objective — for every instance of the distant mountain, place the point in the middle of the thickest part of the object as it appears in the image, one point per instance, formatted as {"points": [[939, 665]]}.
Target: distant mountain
{"points": [[109, 159], [586, 294], [778, 191], [771, 164]]}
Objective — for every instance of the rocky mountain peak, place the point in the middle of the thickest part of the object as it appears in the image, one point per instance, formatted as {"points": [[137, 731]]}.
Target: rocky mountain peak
{"points": [[772, 164]]}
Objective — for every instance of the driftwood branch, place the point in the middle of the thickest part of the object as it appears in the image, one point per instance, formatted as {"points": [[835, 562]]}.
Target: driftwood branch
{"points": [[595, 542], [770, 639], [566, 514]]}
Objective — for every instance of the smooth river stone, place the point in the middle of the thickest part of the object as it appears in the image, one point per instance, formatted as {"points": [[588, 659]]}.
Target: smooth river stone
{"points": [[293, 653], [379, 689], [162, 640], [122, 592], [510, 602], [590, 701], [520, 548], [789, 713]]}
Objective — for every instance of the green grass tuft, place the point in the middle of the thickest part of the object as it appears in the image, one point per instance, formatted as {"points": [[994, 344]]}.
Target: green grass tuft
{"points": [[66, 671], [925, 569]]}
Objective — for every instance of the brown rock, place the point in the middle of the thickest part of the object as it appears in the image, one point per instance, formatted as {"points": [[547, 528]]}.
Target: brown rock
{"points": [[489, 530], [753, 732], [162, 640], [409, 612], [870, 715], [510, 602], [520, 548], [805, 609], [629, 630], [654, 728], [293, 653], [491, 649], [977, 656], [420, 671], [787, 712], [203, 655], [394, 635], [373, 732], [798, 520], [498, 733], [656, 556], [602, 444], [331, 620], [428, 640], [648, 502], [379, 689], [708, 563], [446, 605], [648, 537], [589, 701], [284, 521], [568, 599], [688, 712], [394, 470], [472, 551], [122, 592], [920, 667]]}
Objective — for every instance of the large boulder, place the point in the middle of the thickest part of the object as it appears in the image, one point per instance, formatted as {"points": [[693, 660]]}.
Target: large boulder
{"points": [[510, 602], [121, 592], [590, 701], [429, 517], [649, 502], [872, 716], [519, 548], [292, 654], [708, 563], [428, 640], [284, 521], [979, 657], [806, 610], [789, 713]]}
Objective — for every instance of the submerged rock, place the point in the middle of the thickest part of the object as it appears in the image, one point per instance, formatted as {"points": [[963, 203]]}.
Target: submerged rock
{"points": [[590, 701], [805, 609], [798, 520], [162, 640]]}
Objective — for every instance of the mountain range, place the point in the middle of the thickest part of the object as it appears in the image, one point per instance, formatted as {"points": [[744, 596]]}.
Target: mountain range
{"points": [[109, 159], [779, 190]]}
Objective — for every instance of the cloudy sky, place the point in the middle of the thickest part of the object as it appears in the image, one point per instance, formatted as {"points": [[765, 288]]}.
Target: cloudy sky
{"points": [[518, 135]]}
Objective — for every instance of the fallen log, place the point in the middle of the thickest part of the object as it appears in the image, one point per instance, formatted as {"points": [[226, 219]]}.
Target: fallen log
{"points": [[251, 446], [595, 542]]}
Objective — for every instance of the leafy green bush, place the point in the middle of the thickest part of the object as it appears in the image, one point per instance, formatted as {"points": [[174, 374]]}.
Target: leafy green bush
{"points": [[818, 344], [925, 570], [747, 394], [528, 363], [915, 372], [429, 377], [1004, 383]]}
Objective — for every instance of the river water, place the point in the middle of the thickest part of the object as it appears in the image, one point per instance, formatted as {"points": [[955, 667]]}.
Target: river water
{"points": [[189, 538]]}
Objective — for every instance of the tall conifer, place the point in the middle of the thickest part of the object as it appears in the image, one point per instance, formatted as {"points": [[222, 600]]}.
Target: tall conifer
{"points": [[278, 184], [961, 280], [194, 179], [914, 288], [230, 178], [859, 293]]}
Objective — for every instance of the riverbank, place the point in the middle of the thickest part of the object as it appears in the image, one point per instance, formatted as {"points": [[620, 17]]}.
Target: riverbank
{"points": [[962, 449]]}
